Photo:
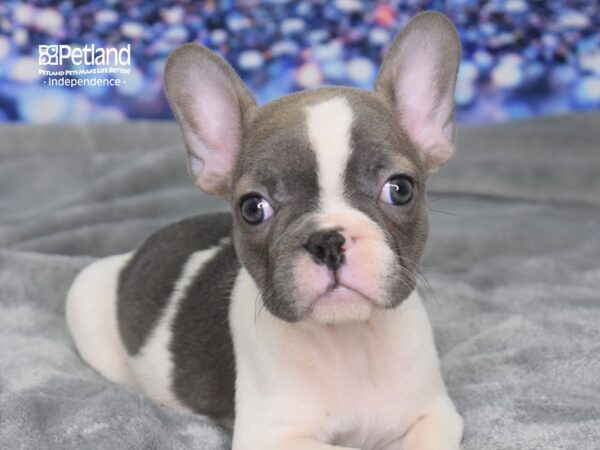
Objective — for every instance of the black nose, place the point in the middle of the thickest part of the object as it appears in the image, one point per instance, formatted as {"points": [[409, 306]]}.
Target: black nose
{"points": [[326, 248]]}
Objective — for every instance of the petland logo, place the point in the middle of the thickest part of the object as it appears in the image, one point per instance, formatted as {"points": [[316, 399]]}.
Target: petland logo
{"points": [[57, 55], [99, 66]]}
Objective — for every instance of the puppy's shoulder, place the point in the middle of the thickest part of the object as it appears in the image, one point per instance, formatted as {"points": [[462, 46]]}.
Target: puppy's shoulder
{"points": [[190, 235], [147, 281], [173, 244]]}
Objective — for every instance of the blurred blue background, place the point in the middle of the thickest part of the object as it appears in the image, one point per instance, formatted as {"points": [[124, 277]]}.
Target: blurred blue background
{"points": [[520, 58]]}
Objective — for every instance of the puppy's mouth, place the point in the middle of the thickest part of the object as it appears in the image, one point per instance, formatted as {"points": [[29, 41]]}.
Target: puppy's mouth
{"points": [[341, 303], [337, 288]]}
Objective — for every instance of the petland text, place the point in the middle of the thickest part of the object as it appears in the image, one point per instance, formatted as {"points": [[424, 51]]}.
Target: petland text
{"points": [[88, 55], [87, 66]]}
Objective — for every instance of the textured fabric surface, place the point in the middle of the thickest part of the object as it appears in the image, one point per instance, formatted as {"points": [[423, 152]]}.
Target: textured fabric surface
{"points": [[511, 280]]}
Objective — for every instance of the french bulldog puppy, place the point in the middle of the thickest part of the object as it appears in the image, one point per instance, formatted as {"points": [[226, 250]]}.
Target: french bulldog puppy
{"points": [[294, 320]]}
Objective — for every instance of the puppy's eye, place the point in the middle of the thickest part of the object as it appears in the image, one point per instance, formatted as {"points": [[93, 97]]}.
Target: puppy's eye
{"points": [[255, 209], [398, 190]]}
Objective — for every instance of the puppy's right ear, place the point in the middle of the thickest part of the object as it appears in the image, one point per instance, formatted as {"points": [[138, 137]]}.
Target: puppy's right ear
{"points": [[209, 101], [418, 77]]}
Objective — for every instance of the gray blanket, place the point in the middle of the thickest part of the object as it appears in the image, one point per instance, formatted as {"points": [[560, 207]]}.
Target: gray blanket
{"points": [[512, 280]]}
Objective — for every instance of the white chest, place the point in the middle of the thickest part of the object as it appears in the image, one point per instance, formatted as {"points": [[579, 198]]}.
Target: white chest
{"points": [[359, 384]]}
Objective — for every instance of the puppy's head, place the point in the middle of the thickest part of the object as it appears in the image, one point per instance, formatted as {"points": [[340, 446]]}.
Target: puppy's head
{"points": [[327, 187]]}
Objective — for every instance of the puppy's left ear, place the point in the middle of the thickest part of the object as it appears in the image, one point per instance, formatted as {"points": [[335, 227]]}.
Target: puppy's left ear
{"points": [[418, 77], [210, 102]]}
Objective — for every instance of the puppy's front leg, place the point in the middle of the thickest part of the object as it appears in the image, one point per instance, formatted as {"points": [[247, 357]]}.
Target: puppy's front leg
{"points": [[309, 444], [441, 428], [249, 438], [289, 444]]}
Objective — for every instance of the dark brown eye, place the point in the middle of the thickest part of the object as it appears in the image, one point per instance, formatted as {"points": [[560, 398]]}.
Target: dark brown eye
{"points": [[255, 209], [398, 190]]}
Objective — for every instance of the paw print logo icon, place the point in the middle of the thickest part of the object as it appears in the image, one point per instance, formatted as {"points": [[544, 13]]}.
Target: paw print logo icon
{"points": [[48, 55]]}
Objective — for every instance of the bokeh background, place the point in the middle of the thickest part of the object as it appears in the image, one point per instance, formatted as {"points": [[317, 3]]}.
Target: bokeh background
{"points": [[521, 58]]}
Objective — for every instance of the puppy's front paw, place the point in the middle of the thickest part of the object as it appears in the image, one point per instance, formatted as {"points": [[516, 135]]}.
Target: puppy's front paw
{"points": [[310, 444], [441, 428], [298, 444]]}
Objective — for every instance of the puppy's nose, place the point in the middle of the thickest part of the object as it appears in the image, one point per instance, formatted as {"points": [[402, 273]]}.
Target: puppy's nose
{"points": [[326, 248]]}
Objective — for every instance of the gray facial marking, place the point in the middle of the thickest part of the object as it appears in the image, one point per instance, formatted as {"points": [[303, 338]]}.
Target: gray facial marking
{"points": [[202, 348], [381, 149], [276, 160], [147, 281]]}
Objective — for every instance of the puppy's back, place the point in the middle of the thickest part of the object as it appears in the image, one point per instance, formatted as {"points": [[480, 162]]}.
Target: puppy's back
{"points": [[156, 319], [147, 281], [172, 312]]}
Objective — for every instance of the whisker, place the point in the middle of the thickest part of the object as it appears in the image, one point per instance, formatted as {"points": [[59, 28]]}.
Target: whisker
{"points": [[416, 271], [446, 212], [437, 197], [259, 306]]}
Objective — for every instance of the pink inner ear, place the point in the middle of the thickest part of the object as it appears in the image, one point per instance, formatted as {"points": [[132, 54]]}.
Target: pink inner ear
{"points": [[435, 145], [216, 122], [423, 116], [415, 99], [196, 165]]}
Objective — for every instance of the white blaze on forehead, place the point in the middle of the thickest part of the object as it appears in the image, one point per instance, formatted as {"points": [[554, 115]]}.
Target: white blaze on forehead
{"points": [[329, 125]]}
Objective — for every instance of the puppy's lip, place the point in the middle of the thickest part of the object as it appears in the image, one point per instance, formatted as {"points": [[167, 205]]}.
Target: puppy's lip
{"points": [[335, 288]]}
